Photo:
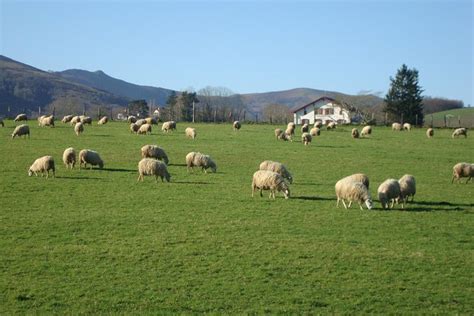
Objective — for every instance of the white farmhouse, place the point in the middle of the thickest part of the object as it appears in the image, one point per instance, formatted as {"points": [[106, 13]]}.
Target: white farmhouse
{"points": [[324, 109]]}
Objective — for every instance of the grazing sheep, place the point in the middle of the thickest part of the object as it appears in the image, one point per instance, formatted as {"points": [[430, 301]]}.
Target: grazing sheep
{"points": [[69, 157], [87, 156], [152, 151], [134, 128], [407, 188], [131, 119], [103, 120], [359, 177], [305, 128], [190, 132], [86, 119], [367, 130], [40, 118], [315, 131], [278, 132], [459, 131], [318, 124], [306, 138], [21, 117], [407, 126], [140, 122], [355, 133], [290, 129], [236, 125], [429, 132], [1, 122], [67, 118], [168, 126], [196, 159], [277, 167], [388, 192], [144, 129], [331, 125], [151, 121], [43, 165], [269, 180], [153, 167], [21, 130], [79, 128], [352, 191], [463, 170], [75, 119], [47, 121], [396, 127]]}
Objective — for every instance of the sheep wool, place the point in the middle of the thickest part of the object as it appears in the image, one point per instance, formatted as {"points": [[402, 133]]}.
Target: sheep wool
{"points": [[46, 121], [140, 122], [134, 128], [278, 132], [103, 120], [269, 180], [359, 177], [168, 126], [315, 131], [367, 130], [352, 191], [459, 131], [407, 126], [21, 130], [277, 167], [69, 157], [131, 119], [429, 132], [407, 188], [21, 117], [306, 138], [331, 125], [87, 156], [396, 127], [144, 129], [67, 118], [151, 121], [388, 192], [318, 124], [236, 125], [190, 132], [152, 151], [43, 165], [75, 120], [196, 159], [355, 133], [153, 167], [79, 128], [305, 128], [290, 129], [463, 170], [86, 119]]}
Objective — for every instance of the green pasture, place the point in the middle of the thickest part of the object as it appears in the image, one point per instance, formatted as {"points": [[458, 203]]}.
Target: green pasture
{"points": [[96, 241], [463, 117]]}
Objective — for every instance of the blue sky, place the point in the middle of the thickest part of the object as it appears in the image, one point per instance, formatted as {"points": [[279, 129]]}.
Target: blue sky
{"points": [[250, 46]]}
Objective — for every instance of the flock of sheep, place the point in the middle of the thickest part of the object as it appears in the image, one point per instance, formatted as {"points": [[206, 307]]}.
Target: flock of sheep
{"points": [[272, 176]]}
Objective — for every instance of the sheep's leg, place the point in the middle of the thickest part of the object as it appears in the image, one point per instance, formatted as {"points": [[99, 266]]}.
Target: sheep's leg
{"points": [[468, 179], [47, 174], [344, 203], [139, 176], [393, 203], [253, 189], [361, 208], [350, 203], [261, 193], [452, 180], [337, 204]]}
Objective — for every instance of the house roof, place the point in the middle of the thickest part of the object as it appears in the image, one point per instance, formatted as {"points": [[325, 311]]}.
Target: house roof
{"points": [[297, 108]]}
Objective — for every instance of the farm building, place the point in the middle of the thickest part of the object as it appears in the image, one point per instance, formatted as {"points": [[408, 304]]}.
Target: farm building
{"points": [[324, 109]]}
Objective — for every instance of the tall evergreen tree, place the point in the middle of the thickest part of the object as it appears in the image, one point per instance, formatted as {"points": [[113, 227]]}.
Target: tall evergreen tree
{"points": [[171, 105], [139, 107], [404, 97], [187, 98]]}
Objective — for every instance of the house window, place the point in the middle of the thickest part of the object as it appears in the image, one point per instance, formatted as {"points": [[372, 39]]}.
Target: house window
{"points": [[320, 112]]}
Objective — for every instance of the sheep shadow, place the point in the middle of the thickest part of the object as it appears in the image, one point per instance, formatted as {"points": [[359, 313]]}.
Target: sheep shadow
{"points": [[177, 164], [79, 178], [312, 198], [117, 169], [191, 182], [444, 203]]}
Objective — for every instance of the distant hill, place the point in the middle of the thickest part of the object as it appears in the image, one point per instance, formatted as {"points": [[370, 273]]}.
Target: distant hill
{"points": [[24, 88], [457, 117], [102, 81]]}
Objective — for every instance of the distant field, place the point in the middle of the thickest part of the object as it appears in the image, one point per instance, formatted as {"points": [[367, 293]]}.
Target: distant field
{"points": [[96, 241], [458, 117]]}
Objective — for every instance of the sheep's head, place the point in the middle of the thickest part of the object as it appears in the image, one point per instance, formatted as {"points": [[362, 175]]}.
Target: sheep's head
{"points": [[369, 203], [30, 172]]}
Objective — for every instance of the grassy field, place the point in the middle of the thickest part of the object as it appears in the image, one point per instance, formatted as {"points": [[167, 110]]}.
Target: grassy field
{"points": [[96, 241], [464, 116]]}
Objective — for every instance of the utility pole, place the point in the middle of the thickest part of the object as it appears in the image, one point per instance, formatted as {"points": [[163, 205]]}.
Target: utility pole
{"points": [[193, 111]]}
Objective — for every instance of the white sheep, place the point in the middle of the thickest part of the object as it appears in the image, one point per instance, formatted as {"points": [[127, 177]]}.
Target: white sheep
{"points": [[69, 157], [388, 192], [140, 122], [306, 138], [463, 170], [190, 132], [352, 191], [168, 126], [103, 120], [290, 129], [21, 117], [196, 159], [278, 132], [331, 125], [46, 121], [396, 127], [277, 167], [144, 129], [134, 128], [131, 119], [21, 130], [269, 180], [151, 121], [359, 177], [407, 126], [153, 167], [315, 131], [305, 128], [79, 128], [407, 188], [86, 119], [43, 165], [429, 132], [236, 125], [152, 151], [459, 131], [367, 130], [355, 133], [67, 118], [40, 118], [87, 156], [318, 124], [75, 119]]}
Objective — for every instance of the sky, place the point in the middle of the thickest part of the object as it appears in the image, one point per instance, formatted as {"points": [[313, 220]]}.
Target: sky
{"points": [[347, 46]]}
